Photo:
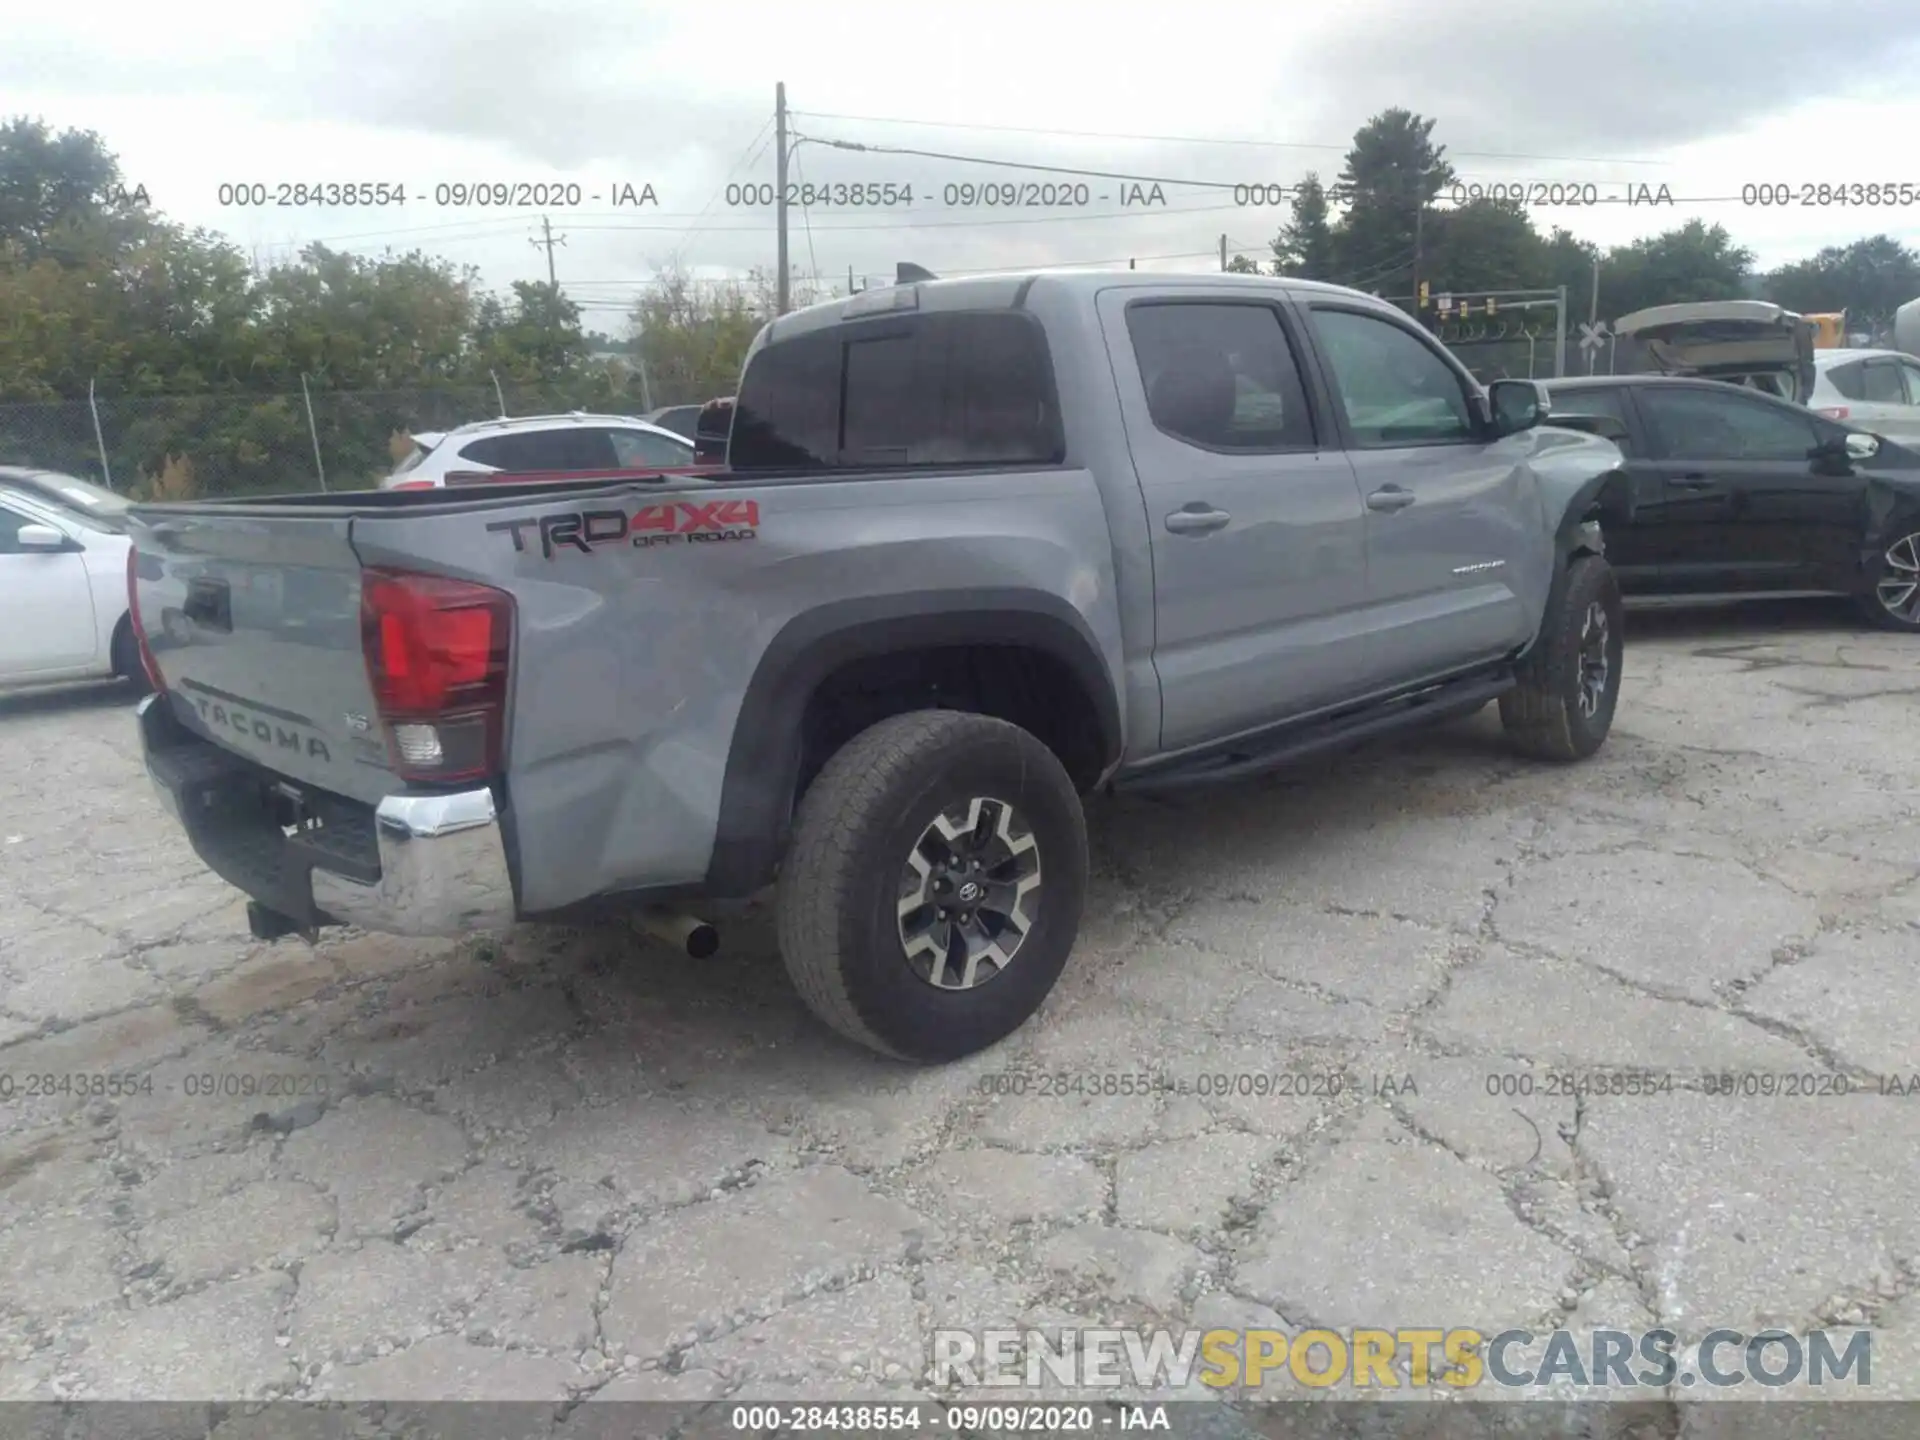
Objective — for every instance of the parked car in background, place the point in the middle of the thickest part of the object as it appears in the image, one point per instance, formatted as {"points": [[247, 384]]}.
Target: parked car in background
{"points": [[713, 430], [539, 443], [1752, 343], [680, 419], [1877, 390], [63, 581], [1729, 492]]}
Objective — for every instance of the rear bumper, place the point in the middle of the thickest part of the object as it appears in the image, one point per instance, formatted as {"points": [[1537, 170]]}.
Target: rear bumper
{"points": [[411, 865]]}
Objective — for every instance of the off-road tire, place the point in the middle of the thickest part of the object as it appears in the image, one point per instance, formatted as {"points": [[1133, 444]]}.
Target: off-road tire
{"points": [[838, 906], [1543, 715], [1872, 610], [125, 656]]}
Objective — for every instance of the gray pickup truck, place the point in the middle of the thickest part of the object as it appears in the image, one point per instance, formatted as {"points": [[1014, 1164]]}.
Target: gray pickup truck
{"points": [[983, 546]]}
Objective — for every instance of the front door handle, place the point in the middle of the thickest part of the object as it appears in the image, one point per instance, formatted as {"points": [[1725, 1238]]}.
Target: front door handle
{"points": [[1390, 498], [1197, 519], [1693, 481]]}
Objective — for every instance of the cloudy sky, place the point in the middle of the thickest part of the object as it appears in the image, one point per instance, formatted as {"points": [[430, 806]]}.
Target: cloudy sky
{"points": [[1703, 98]]}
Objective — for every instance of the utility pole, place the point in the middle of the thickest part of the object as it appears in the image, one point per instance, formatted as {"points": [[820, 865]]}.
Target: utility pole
{"points": [[1223, 254], [1559, 335], [547, 243], [1593, 305], [1419, 235], [780, 190]]}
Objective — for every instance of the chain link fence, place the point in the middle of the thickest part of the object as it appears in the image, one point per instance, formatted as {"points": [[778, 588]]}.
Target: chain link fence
{"points": [[186, 446]]}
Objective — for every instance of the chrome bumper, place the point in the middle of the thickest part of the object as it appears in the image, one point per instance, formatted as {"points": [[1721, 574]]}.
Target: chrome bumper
{"points": [[442, 858], [443, 869]]}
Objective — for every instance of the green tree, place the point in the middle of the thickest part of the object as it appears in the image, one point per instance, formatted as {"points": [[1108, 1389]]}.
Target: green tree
{"points": [[1482, 245], [1567, 260], [536, 340], [693, 337], [1869, 279], [1392, 175], [1305, 246], [62, 197], [1695, 261], [353, 323]]}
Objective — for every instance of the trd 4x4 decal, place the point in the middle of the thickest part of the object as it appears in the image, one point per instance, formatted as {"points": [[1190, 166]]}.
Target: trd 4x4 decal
{"points": [[671, 522]]}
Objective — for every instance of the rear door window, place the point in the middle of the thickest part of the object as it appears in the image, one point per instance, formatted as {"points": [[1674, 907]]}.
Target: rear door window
{"points": [[1880, 384], [1695, 423], [1220, 376], [1846, 379], [571, 448], [642, 449], [966, 388], [1610, 401]]}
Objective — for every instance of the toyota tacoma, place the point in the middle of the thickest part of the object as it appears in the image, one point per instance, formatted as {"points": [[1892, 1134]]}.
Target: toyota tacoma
{"points": [[983, 546]]}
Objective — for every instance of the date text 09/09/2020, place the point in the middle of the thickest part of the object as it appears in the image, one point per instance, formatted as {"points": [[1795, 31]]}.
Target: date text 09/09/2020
{"points": [[450, 194], [1751, 194]]}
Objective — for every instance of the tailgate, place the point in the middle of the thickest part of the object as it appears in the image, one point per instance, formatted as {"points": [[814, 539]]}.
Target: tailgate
{"points": [[254, 623]]}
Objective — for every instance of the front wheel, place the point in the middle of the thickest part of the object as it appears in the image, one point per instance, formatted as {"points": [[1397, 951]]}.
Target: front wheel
{"points": [[1569, 684], [934, 885], [1894, 601]]}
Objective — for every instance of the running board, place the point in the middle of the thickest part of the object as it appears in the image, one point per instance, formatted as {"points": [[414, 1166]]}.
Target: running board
{"points": [[1314, 737]]}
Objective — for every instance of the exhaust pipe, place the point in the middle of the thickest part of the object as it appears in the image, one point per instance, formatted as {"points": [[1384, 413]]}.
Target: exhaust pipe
{"points": [[682, 931]]}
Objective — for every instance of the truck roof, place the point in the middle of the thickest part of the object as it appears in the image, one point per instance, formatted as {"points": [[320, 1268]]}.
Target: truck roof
{"points": [[993, 292]]}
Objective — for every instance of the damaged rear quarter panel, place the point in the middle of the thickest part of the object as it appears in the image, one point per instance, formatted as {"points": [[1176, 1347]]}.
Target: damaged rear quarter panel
{"points": [[631, 660]]}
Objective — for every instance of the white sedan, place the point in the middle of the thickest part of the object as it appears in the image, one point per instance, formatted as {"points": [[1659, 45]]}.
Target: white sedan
{"points": [[63, 581]]}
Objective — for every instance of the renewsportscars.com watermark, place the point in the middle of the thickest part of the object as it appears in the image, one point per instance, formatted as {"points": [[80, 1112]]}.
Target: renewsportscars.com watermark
{"points": [[1385, 1359]]}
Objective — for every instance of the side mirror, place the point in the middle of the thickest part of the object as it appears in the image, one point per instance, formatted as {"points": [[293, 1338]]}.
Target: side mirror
{"points": [[1861, 446], [40, 537], [1517, 405]]}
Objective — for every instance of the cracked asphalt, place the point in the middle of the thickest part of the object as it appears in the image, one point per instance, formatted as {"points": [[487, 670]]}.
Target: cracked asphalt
{"points": [[563, 1162]]}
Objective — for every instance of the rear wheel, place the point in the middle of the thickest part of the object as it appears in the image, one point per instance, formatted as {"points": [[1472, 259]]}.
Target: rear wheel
{"points": [[1570, 681], [1894, 601], [933, 889]]}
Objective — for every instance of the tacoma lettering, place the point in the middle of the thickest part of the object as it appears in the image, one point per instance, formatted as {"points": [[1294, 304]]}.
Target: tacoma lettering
{"points": [[224, 717]]}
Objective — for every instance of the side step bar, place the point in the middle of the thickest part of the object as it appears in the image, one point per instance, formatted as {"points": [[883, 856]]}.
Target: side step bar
{"points": [[1260, 754]]}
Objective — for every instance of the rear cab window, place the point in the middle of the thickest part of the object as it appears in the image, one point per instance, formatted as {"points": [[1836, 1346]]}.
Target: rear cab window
{"points": [[970, 387]]}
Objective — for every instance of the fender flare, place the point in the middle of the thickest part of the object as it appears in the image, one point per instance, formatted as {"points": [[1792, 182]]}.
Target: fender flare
{"points": [[1576, 532], [764, 754]]}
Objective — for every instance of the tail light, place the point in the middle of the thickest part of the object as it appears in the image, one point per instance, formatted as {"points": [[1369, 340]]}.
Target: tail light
{"points": [[436, 652], [414, 485], [133, 620], [1833, 412]]}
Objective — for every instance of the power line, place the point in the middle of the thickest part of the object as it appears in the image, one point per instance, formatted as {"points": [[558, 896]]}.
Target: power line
{"points": [[993, 162], [749, 155], [1024, 165], [1196, 139], [806, 223], [1051, 218]]}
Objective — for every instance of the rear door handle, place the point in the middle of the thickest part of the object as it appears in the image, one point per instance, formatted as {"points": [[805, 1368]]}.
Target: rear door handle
{"points": [[1390, 498], [1197, 519]]}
